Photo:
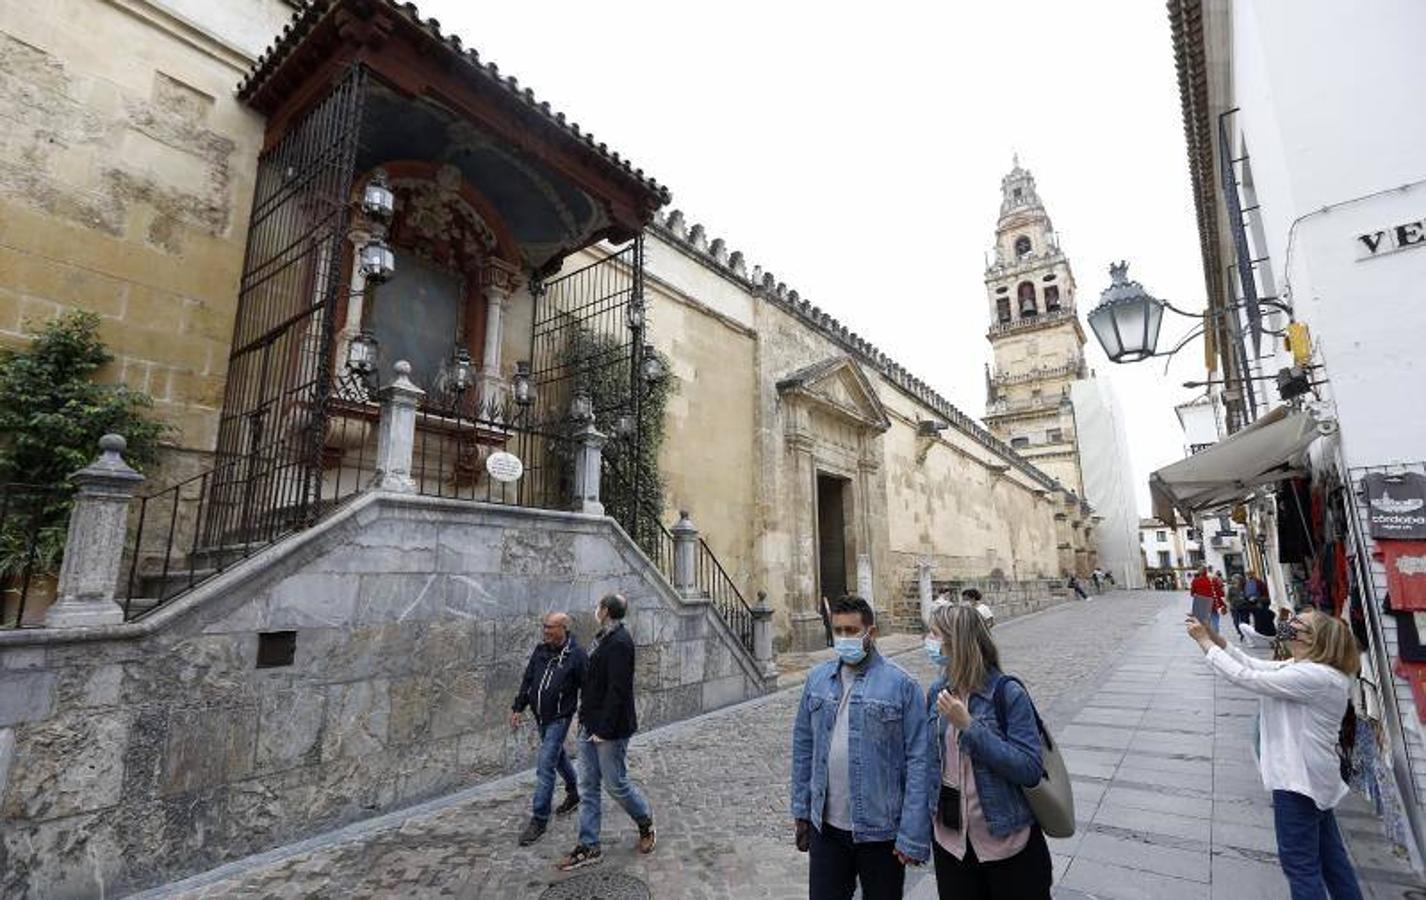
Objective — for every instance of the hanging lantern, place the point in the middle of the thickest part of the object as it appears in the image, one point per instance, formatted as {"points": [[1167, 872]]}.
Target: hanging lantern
{"points": [[1127, 319], [377, 201], [624, 425], [361, 353], [460, 379], [634, 313], [378, 263], [581, 408], [521, 385], [651, 368]]}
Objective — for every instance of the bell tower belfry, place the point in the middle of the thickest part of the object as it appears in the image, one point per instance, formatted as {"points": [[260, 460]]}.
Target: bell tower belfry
{"points": [[1035, 334]]}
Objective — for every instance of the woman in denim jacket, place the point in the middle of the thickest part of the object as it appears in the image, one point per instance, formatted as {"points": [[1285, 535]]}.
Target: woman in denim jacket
{"points": [[986, 843]]}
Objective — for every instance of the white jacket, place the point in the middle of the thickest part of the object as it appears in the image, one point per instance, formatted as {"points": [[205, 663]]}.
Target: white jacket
{"points": [[1299, 719]]}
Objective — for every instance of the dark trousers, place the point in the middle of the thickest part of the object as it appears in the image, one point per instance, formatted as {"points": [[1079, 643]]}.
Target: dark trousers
{"points": [[836, 864], [1024, 876], [1310, 850]]}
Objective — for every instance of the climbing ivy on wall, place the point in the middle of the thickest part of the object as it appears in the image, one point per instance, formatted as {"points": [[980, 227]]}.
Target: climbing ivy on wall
{"points": [[602, 370]]}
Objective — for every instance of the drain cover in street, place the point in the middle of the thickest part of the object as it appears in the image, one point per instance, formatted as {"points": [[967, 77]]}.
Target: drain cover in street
{"points": [[598, 886]]}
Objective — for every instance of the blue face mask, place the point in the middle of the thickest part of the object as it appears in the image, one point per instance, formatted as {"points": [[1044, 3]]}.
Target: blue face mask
{"points": [[852, 650], [933, 651]]}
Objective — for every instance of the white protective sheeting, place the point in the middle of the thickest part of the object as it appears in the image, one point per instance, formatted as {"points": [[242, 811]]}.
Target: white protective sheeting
{"points": [[1264, 453]]}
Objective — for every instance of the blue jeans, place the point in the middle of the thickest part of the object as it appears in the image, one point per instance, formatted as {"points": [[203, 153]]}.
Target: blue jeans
{"points": [[552, 759], [603, 761], [1310, 850]]}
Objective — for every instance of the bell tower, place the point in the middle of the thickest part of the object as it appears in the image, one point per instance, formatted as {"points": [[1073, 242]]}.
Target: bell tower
{"points": [[1035, 335]]}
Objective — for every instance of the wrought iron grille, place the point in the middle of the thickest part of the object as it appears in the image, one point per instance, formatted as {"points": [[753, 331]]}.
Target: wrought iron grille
{"points": [[268, 475], [32, 535], [584, 339]]}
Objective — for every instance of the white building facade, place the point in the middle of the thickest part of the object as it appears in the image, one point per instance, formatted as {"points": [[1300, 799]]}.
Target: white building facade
{"points": [[1305, 126]]}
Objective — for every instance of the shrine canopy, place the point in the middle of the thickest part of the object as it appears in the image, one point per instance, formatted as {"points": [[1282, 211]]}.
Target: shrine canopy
{"points": [[547, 181]]}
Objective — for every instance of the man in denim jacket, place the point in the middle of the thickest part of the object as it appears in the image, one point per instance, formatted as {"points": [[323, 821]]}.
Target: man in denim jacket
{"points": [[859, 766]]}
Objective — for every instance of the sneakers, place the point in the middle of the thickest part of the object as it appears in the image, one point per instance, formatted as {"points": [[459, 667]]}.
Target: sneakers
{"points": [[647, 838], [532, 832], [580, 857], [570, 804]]}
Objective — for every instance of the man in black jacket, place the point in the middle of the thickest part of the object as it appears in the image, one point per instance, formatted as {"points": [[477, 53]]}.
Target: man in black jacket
{"points": [[551, 688], [606, 722]]}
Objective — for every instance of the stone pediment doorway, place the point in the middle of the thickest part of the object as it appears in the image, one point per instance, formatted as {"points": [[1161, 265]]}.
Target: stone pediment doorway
{"points": [[838, 386], [832, 424]]}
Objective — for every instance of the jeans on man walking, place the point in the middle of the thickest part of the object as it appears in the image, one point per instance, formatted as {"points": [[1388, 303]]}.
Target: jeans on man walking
{"points": [[603, 762], [1310, 850], [552, 760]]}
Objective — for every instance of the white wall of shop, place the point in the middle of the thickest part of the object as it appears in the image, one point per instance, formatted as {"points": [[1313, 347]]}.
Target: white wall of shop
{"points": [[1334, 149]]}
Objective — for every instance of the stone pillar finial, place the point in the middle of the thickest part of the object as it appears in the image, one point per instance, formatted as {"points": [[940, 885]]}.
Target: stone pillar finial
{"points": [[685, 555], [762, 636], [94, 546], [588, 465], [396, 433]]}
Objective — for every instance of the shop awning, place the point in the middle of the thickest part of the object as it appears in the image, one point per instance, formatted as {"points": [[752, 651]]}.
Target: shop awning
{"points": [[1265, 452]]}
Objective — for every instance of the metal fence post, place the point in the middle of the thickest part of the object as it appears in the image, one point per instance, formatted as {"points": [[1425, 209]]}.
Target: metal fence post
{"points": [[94, 545], [396, 434], [685, 555]]}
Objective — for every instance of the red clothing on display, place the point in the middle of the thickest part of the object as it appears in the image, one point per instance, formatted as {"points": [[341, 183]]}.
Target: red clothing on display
{"points": [[1415, 674], [1405, 573]]}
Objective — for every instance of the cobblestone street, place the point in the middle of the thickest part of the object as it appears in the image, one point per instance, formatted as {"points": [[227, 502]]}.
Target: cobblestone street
{"points": [[1164, 783]]}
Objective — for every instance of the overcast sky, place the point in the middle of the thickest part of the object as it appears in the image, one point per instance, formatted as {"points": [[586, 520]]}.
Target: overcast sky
{"points": [[856, 151]]}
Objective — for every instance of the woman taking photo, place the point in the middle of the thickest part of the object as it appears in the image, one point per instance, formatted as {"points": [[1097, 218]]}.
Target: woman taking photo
{"points": [[1303, 700], [986, 749]]}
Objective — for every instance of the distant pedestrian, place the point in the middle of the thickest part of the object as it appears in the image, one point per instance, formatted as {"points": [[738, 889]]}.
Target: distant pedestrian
{"points": [[1239, 603], [859, 765], [1078, 587], [1097, 577], [606, 722], [1303, 703], [972, 597], [550, 689], [1220, 601], [1201, 592], [826, 620], [1284, 634], [983, 750]]}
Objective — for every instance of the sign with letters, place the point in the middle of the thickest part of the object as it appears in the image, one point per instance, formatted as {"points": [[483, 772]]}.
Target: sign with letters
{"points": [[1389, 240], [504, 466]]}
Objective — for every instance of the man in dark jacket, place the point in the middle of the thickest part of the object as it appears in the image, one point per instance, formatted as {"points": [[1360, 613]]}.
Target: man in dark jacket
{"points": [[606, 722], [551, 689]]}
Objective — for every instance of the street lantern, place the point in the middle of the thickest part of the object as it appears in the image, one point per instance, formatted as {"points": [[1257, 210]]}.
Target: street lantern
{"points": [[1127, 319], [520, 383], [377, 201], [378, 263], [361, 354], [651, 368]]}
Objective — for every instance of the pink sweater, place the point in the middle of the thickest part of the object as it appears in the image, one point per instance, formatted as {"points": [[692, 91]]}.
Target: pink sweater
{"points": [[956, 771]]}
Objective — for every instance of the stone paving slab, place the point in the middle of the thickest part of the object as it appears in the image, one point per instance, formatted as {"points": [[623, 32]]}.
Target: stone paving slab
{"points": [[1171, 808]]}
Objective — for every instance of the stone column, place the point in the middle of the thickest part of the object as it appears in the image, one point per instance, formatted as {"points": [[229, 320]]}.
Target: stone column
{"points": [[804, 616], [762, 636], [396, 435], [685, 549], [588, 455], [924, 589], [492, 386], [94, 547]]}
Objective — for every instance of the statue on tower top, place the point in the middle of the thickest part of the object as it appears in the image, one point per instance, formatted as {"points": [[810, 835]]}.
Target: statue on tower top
{"points": [[1017, 190]]}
